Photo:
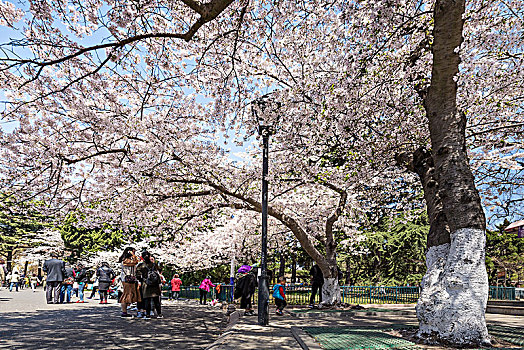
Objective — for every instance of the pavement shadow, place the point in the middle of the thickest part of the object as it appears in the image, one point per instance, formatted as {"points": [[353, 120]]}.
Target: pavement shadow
{"points": [[101, 327]]}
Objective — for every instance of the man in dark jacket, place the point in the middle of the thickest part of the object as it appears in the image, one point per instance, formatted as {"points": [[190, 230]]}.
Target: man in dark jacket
{"points": [[317, 281], [55, 270]]}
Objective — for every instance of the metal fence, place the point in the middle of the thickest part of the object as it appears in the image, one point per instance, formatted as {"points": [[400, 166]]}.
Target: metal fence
{"points": [[300, 295], [379, 295], [501, 293], [519, 293]]}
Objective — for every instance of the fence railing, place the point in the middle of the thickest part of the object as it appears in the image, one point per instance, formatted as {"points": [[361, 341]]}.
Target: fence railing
{"points": [[379, 295], [301, 295], [501, 293]]}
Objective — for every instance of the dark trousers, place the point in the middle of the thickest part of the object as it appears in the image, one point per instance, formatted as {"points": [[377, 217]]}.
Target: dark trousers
{"points": [[316, 288], [280, 303], [141, 305], [103, 295], [53, 291], [203, 294], [156, 301], [93, 292], [245, 302]]}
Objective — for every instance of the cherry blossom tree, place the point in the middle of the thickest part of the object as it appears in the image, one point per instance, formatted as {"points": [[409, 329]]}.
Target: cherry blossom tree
{"points": [[135, 124]]}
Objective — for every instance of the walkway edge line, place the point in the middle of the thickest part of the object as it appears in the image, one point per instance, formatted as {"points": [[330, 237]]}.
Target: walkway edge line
{"points": [[233, 320], [305, 341]]}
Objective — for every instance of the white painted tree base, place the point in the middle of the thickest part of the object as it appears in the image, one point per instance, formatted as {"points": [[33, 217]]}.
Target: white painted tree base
{"points": [[455, 290], [331, 292]]}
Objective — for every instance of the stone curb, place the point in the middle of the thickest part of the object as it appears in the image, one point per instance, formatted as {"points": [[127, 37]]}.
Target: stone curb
{"points": [[305, 341], [233, 320]]}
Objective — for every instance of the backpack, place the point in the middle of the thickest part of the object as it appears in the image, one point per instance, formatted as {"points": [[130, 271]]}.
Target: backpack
{"points": [[153, 277]]}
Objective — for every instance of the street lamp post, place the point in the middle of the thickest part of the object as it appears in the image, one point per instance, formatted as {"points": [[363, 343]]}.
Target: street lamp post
{"points": [[263, 285], [264, 130]]}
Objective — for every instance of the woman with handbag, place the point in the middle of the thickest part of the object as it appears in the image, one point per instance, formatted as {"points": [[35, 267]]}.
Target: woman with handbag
{"points": [[130, 295], [67, 284]]}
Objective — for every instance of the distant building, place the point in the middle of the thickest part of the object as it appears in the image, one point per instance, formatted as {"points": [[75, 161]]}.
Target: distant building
{"points": [[517, 228]]}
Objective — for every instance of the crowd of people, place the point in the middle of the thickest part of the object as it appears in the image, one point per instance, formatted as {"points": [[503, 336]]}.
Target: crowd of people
{"points": [[138, 282], [15, 280]]}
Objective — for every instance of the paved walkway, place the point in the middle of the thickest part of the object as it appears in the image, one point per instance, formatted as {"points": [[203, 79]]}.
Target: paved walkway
{"points": [[27, 322], [285, 332]]}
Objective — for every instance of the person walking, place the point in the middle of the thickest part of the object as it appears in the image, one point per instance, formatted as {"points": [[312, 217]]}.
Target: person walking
{"points": [[96, 282], [25, 282], [67, 284], [317, 281], [3, 273], [279, 293], [128, 261], [14, 279], [245, 286], [34, 282], [148, 274], [176, 282], [81, 279], [205, 286], [105, 275], [55, 270]]}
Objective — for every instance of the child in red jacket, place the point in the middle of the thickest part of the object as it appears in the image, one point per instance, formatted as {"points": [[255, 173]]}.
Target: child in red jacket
{"points": [[279, 293]]}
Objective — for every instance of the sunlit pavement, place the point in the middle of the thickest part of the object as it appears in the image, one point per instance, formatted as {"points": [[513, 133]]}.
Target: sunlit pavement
{"points": [[285, 332], [28, 322]]}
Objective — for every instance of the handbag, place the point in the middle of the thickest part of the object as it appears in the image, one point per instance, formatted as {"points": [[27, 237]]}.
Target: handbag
{"points": [[69, 280], [130, 279]]}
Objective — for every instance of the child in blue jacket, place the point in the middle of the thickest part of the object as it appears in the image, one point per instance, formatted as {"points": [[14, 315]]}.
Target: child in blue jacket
{"points": [[279, 293]]}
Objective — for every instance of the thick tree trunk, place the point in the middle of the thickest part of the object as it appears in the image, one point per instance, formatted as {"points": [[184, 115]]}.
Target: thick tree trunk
{"points": [[455, 289], [330, 292], [330, 289]]}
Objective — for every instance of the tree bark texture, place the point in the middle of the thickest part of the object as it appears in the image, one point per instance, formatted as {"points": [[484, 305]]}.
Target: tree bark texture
{"points": [[348, 271], [282, 266], [455, 288], [293, 268]]}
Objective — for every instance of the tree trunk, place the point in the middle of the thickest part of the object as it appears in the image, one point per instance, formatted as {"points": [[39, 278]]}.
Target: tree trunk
{"points": [[328, 262], [348, 271], [293, 268], [9, 260], [455, 289], [330, 289], [282, 267]]}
